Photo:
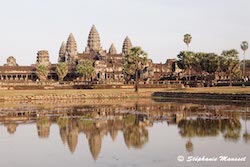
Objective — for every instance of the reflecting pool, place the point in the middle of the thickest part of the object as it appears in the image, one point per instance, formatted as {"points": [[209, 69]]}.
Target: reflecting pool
{"points": [[124, 132]]}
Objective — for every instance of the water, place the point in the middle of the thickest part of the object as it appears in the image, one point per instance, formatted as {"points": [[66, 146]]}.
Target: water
{"points": [[123, 132]]}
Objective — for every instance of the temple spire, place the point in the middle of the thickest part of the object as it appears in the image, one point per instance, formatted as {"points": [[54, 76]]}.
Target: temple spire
{"points": [[112, 49], [62, 52], [94, 43], [71, 49], [127, 45]]}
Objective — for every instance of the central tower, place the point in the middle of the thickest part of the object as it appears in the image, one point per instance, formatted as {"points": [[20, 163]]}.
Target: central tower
{"points": [[94, 43]]}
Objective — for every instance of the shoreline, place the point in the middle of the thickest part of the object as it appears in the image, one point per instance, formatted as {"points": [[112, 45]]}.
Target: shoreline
{"points": [[201, 96], [208, 93], [46, 95], [213, 93]]}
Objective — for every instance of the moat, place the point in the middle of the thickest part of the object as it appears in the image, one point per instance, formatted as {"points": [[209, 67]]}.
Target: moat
{"points": [[122, 132]]}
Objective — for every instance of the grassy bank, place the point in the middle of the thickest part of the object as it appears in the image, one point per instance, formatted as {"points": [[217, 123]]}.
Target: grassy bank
{"points": [[74, 94], [9, 95]]}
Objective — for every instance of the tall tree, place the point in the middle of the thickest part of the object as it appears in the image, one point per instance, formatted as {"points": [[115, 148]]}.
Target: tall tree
{"points": [[42, 72], [187, 40], [209, 64], [86, 69], [61, 70], [186, 61], [229, 62], [135, 61], [244, 47]]}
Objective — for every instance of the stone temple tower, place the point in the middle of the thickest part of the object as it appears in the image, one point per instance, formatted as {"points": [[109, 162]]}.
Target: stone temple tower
{"points": [[43, 57], [112, 49], [71, 49], [11, 61], [62, 53], [127, 45], [94, 43]]}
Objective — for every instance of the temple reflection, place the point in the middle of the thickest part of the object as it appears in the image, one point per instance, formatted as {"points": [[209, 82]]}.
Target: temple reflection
{"points": [[43, 126], [11, 127], [132, 120]]}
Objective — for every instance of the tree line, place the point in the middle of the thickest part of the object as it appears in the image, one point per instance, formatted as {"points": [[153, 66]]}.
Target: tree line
{"points": [[206, 64], [85, 70]]}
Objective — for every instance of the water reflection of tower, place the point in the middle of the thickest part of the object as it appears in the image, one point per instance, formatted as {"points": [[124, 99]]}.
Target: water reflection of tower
{"points": [[95, 144], [95, 136], [62, 123], [43, 126], [11, 127], [72, 135], [69, 132], [112, 128]]}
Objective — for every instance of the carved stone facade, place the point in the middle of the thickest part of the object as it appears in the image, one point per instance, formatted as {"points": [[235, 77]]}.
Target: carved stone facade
{"points": [[127, 45], [71, 50], [43, 57], [11, 61], [112, 49], [62, 53], [108, 64], [94, 43]]}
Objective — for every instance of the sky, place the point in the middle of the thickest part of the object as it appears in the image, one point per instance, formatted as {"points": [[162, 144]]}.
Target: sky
{"points": [[158, 26]]}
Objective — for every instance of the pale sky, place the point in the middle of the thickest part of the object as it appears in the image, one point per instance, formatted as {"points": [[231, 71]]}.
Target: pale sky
{"points": [[157, 26]]}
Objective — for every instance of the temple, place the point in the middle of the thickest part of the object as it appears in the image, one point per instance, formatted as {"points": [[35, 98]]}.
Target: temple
{"points": [[108, 64]]}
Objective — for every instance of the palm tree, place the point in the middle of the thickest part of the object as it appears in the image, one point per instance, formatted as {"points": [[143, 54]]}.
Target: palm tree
{"points": [[230, 63], [187, 40], [135, 61], [244, 47], [85, 69], [42, 72], [61, 70]]}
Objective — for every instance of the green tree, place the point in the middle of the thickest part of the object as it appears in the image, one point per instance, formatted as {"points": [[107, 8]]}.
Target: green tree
{"points": [[187, 40], [209, 63], [229, 63], [135, 61], [186, 61], [61, 70], [86, 69], [42, 72]]}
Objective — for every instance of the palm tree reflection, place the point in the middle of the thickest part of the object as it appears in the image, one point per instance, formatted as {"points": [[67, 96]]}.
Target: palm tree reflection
{"points": [[226, 124], [189, 145], [246, 135], [11, 127]]}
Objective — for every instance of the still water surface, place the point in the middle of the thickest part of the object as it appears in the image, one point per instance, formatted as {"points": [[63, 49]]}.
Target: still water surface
{"points": [[124, 132]]}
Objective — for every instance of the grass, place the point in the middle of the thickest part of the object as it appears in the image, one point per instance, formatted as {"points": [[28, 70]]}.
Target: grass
{"points": [[77, 92], [142, 92]]}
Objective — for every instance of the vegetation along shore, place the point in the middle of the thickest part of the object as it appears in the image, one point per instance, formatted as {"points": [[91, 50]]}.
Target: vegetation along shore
{"points": [[223, 93]]}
